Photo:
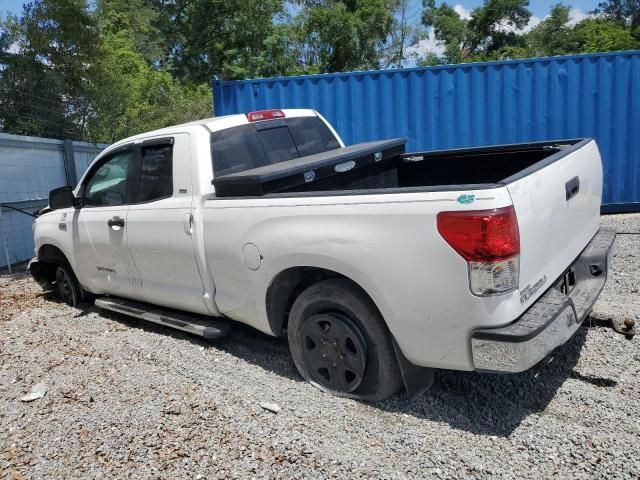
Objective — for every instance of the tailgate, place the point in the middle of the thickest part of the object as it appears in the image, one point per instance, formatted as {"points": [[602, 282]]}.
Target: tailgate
{"points": [[557, 202]]}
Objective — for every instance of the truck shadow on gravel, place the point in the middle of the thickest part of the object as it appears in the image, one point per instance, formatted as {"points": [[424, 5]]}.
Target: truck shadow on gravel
{"points": [[246, 343], [496, 404], [488, 404]]}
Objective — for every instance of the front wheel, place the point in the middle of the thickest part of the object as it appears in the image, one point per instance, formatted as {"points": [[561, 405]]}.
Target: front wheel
{"points": [[340, 343], [69, 289]]}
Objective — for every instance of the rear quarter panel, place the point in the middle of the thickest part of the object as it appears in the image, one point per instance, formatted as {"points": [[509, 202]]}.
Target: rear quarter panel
{"points": [[386, 243]]}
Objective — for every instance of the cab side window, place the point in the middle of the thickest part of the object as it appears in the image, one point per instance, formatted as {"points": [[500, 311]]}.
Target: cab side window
{"points": [[156, 172], [107, 186]]}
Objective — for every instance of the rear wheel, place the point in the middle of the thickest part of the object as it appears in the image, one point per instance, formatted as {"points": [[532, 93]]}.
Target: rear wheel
{"points": [[69, 289], [340, 343]]}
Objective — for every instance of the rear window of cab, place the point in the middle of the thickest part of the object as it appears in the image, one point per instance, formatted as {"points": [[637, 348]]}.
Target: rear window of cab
{"points": [[257, 144]]}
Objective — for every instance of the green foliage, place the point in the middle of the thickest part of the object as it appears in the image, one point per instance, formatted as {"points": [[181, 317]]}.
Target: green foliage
{"points": [[224, 38], [138, 19], [404, 36], [66, 72], [44, 68], [602, 35], [449, 30], [343, 35], [553, 35], [131, 97], [497, 30], [489, 31], [625, 12], [429, 60]]}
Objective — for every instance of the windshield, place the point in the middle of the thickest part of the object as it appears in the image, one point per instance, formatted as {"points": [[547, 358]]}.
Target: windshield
{"points": [[263, 143]]}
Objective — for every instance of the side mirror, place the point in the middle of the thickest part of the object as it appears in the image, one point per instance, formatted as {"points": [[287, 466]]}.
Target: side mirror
{"points": [[61, 198]]}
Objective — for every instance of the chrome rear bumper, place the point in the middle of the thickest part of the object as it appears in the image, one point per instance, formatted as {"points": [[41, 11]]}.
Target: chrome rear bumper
{"points": [[551, 320]]}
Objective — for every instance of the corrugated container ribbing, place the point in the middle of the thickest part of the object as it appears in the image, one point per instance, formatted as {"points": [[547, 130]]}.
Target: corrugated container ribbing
{"points": [[451, 106]]}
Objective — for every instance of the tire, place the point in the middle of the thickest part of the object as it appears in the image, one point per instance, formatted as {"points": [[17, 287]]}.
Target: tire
{"points": [[69, 289], [340, 343]]}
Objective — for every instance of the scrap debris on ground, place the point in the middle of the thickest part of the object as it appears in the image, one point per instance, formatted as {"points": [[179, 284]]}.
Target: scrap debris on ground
{"points": [[118, 397]]}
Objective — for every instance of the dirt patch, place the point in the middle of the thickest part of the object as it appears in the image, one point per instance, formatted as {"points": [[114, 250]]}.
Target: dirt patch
{"points": [[18, 292]]}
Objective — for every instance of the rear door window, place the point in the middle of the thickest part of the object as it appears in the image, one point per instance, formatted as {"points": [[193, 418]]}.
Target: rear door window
{"points": [[263, 143], [156, 172]]}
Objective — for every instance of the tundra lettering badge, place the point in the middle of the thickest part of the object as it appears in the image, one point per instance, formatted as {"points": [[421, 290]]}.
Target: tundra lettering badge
{"points": [[105, 269], [528, 291]]}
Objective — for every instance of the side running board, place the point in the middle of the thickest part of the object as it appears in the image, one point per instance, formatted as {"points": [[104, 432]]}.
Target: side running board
{"points": [[206, 327]]}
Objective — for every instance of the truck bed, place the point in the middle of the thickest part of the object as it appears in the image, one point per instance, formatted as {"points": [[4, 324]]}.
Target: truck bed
{"points": [[385, 165]]}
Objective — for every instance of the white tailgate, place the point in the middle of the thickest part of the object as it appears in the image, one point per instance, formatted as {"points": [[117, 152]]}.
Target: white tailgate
{"points": [[554, 230]]}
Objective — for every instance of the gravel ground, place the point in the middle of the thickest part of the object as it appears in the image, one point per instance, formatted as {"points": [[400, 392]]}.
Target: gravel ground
{"points": [[130, 399]]}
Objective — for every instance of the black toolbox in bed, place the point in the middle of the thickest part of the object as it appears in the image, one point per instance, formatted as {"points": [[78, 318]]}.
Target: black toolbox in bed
{"points": [[307, 173]]}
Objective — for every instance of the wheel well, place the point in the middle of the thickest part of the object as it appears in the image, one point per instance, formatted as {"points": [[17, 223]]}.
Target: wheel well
{"points": [[49, 257], [286, 287]]}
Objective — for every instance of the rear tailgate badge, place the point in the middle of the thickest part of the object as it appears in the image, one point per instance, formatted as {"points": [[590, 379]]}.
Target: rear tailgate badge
{"points": [[466, 198]]}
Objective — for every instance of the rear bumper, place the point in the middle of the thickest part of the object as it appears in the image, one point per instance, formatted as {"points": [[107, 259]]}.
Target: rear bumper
{"points": [[549, 322]]}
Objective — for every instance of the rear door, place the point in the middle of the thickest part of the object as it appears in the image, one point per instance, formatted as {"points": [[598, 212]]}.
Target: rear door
{"points": [[160, 227], [557, 202]]}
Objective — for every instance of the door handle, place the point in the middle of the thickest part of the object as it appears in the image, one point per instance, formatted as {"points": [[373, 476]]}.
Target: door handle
{"points": [[188, 223], [572, 187], [116, 223]]}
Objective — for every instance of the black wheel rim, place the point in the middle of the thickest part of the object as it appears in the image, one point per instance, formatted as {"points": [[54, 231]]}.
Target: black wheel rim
{"points": [[334, 351], [65, 289]]}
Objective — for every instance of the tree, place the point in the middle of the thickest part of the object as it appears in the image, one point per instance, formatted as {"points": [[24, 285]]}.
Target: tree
{"points": [[130, 97], [429, 60], [403, 36], [336, 36], [66, 72], [491, 28], [449, 30], [602, 35], [139, 19], [44, 63], [625, 12], [553, 35], [224, 38]]}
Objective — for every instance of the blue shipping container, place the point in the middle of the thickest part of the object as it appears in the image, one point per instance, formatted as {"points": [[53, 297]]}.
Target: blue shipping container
{"points": [[452, 106]]}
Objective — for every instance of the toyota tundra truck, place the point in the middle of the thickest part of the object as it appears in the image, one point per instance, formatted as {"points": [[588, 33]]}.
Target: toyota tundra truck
{"points": [[378, 265]]}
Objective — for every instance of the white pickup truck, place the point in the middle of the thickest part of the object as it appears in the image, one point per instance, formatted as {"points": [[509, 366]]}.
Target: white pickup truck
{"points": [[379, 265]]}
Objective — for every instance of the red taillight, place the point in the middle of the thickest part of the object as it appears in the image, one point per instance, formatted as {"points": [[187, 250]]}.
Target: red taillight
{"points": [[481, 235], [264, 115]]}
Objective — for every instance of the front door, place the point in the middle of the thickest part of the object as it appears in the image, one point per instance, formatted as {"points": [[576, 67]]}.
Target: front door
{"points": [[103, 263], [160, 227]]}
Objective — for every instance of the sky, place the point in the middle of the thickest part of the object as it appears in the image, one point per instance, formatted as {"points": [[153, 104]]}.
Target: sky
{"points": [[11, 6]]}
